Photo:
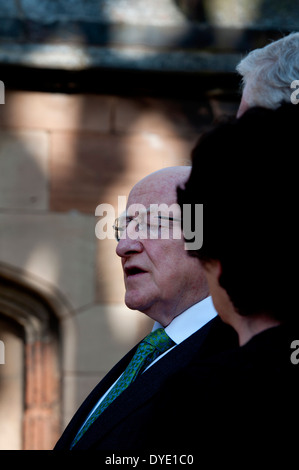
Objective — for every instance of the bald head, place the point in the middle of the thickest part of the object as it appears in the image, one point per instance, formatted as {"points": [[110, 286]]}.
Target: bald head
{"points": [[171, 174], [161, 185]]}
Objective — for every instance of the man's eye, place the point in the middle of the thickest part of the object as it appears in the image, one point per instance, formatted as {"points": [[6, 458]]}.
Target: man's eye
{"points": [[159, 222], [166, 221], [153, 221], [148, 220]]}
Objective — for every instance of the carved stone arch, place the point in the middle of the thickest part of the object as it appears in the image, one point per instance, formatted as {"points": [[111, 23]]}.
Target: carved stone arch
{"points": [[36, 308]]}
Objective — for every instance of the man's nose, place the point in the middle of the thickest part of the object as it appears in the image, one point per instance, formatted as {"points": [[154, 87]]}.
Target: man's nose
{"points": [[127, 246]]}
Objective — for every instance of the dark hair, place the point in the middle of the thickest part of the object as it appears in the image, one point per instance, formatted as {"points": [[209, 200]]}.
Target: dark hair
{"points": [[244, 173]]}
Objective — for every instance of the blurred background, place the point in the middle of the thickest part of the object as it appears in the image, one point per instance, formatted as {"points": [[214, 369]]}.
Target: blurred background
{"points": [[98, 93]]}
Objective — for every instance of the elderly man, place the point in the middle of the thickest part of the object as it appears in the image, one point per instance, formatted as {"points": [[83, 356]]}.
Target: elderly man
{"points": [[169, 286]]}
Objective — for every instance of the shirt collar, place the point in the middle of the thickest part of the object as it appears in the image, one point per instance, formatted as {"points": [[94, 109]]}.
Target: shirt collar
{"points": [[191, 320]]}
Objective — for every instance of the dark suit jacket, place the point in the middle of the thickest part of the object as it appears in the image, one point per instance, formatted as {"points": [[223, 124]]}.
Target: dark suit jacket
{"points": [[240, 402], [122, 425]]}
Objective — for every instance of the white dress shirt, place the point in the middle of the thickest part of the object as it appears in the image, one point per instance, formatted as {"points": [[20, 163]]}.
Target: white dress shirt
{"points": [[187, 323]]}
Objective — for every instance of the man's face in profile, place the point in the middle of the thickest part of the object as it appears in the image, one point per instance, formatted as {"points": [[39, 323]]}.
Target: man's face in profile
{"points": [[161, 279]]}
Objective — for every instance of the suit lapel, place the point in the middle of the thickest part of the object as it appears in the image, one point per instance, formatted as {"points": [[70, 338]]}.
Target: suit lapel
{"points": [[147, 385], [88, 404]]}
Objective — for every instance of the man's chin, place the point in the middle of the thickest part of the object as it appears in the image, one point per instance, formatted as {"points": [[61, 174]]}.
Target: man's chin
{"points": [[134, 302]]}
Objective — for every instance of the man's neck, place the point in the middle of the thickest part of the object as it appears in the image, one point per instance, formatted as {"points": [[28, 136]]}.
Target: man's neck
{"points": [[166, 315]]}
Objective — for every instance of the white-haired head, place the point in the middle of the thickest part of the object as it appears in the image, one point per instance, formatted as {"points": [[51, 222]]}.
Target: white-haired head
{"points": [[267, 73]]}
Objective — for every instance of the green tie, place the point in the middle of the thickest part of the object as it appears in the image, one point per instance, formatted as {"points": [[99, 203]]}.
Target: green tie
{"points": [[151, 347]]}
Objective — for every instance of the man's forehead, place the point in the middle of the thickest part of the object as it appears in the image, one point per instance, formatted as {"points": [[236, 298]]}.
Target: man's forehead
{"points": [[156, 189], [159, 187], [147, 195]]}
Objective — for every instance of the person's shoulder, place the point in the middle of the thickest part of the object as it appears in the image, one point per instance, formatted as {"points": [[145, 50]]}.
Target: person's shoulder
{"points": [[220, 337], [272, 346]]}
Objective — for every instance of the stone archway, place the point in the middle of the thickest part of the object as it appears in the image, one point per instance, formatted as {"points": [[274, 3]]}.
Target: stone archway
{"points": [[34, 309], [11, 384]]}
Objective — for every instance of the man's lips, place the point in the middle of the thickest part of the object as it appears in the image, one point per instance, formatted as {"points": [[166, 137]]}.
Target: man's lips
{"points": [[133, 271]]}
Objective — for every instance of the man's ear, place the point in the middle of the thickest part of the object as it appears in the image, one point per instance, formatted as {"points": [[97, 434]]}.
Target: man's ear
{"points": [[214, 267]]}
